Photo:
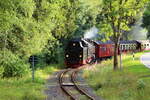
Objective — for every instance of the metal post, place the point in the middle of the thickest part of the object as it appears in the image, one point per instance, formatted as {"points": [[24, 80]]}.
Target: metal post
{"points": [[33, 68], [5, 44], [120, 59]]}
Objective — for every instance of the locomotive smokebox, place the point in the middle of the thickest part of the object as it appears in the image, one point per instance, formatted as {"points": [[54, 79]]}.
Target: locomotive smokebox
{"points": [[79, 51]]}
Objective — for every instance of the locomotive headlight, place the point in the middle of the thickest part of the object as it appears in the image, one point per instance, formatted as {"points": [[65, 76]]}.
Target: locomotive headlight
{"points": [[67, 56], [74, 44], [80, 56]]}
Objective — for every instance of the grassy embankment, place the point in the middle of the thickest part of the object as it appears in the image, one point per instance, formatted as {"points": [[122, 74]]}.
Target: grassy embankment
{"points": [[24, 88], [131, 83]]}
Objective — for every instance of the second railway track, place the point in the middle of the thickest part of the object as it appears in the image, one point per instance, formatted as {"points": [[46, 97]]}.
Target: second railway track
{"points": [[72, 88]]}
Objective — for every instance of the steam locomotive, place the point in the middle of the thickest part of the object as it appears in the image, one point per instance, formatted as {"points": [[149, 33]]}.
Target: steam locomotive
{"points": [[82, 51]]}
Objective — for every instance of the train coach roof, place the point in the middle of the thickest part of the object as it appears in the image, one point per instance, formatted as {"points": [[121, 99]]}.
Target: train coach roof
{"points": [[107, 42], [127, 42], [143, 41], [121, 42], [98, 42]]}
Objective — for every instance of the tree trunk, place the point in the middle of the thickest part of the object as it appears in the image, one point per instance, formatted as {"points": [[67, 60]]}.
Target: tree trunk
{"points": [[116, 56]]}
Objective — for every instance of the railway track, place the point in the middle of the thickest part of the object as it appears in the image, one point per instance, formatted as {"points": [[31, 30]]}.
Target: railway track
{"points": [[72, 75]]}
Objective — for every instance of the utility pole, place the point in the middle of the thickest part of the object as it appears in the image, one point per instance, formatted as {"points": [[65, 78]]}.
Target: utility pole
{"points": [[5, 43], [33, 68], [120, 57]]}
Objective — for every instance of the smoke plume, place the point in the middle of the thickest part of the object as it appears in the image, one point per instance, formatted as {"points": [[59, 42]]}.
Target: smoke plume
{"points": [[138, 33], [91, 33]]}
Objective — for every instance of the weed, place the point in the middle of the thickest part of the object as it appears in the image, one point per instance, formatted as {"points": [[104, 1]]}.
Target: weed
{"points": [[23, 88], [125, 84], [140, 84]]}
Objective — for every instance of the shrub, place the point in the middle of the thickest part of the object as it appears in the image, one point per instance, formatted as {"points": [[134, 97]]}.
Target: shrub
{"points": [[140, 84], [13, 66]]}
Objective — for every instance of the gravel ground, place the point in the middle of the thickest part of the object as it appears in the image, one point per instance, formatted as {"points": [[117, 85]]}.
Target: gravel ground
{"points": [[84, 86], [54, 92]]}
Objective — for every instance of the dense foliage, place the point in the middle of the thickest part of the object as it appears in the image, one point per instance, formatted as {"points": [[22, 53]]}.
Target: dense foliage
{"points": [[146, 20], [12, 65], [42, 27]]}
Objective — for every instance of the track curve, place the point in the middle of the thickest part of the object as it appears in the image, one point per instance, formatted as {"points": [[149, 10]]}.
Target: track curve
{"points": [[72, 76]]}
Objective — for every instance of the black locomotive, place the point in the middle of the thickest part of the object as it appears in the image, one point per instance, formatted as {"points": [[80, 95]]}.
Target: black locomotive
{"points": [[79, 51]]}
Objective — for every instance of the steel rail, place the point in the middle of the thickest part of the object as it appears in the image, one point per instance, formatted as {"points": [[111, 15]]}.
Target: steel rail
{"points": [[62, 87], [73, 79]]}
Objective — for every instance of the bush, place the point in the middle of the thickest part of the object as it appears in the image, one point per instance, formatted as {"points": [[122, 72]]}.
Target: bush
{"points": [[140, 84], [13, 66]]}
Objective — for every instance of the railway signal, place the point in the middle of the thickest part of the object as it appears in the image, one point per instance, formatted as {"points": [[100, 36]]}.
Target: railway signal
{"points": [[33, 60]]}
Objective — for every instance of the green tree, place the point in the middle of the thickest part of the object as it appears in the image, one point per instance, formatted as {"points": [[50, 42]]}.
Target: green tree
{"points": [[115, 18], [87, 14], [20, 32], [146, 20]]}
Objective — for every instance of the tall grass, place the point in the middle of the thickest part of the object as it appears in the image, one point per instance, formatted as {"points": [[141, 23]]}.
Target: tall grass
{"points": [[23, 88], [125, 84]]}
